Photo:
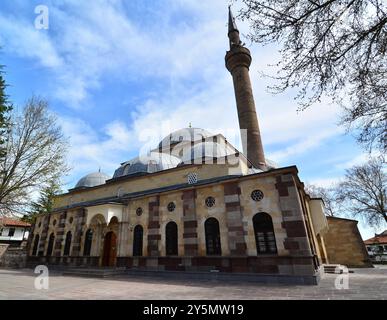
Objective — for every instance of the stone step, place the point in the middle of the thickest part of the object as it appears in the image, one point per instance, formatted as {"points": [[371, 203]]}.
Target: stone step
{"points": [[334, 268], [94, 273]]}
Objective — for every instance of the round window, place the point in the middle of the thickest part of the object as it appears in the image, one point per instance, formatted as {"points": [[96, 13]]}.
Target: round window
{"points": [[257, 195], [139, 211], [210, 202], [171, 206]]}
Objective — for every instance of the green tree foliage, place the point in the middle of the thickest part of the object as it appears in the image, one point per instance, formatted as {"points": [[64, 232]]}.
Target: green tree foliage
{"points": [[5, 109], [44, 204]]}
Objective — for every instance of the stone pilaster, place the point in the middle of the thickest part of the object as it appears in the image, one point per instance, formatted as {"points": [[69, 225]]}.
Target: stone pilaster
{"points": [[297, 241], [236, 233], [190, 235], [154, 235], [43, 237], [80, 221], [60, 234]]}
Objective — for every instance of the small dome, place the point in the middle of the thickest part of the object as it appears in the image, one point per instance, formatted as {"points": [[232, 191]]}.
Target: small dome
{"points": [[185, 134], [147, 164], [206, 150], [92, 180]]}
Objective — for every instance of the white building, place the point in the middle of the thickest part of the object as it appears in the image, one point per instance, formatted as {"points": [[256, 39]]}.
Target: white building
{"points": [[13, 232]]}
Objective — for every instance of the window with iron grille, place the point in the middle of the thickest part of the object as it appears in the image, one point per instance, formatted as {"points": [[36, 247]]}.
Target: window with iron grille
{"points": [[264, 234], [67, 244], [257, 195], [192, 178], [88, 242], [210, 202], [137, 241], [171, 206], [212, 233], [139, 211]]}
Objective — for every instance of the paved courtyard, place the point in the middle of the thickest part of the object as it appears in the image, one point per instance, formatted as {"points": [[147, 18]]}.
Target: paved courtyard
{"points": [[19, 284]]}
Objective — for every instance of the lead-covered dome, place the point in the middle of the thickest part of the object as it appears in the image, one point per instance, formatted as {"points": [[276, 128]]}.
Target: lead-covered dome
{"points": [[184, 135], [92, 180], [206, 150], [147, 164]]}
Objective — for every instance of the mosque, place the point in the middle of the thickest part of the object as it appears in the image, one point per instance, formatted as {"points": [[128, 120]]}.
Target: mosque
{"points": [[193, 204]]}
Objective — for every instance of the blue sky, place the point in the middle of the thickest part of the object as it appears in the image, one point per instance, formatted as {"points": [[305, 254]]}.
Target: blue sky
{"points": [[121, 75]]}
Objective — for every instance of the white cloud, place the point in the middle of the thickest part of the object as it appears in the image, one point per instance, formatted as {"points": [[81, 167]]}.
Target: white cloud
{"points": [[21, 38], [91, 41]]}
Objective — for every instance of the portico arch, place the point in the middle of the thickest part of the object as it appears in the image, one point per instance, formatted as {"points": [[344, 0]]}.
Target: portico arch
{"points": [[98, 226]]}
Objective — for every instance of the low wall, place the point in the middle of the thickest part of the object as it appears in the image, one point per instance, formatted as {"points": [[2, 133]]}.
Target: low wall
{"points": [[344, 244], [13, 257]]}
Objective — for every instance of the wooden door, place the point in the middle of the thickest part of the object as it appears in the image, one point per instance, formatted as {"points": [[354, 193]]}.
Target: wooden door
{"points": [[109, 250]]}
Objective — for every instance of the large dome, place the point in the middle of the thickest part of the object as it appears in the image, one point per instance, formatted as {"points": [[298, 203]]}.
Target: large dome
{"points": [[147, 164], [183, 135], [92, 180], [206, 150]]}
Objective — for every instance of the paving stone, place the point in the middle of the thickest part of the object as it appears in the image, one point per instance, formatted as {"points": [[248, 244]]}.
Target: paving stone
{"points": [[19, 284]]}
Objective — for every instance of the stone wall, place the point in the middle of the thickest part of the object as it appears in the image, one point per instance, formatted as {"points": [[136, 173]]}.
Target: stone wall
{"points": [[344, 244], [13, 257]]}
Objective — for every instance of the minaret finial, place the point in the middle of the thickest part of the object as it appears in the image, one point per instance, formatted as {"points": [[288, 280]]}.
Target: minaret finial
{"points": [[231, 21], [233, 32], [190, 125]]}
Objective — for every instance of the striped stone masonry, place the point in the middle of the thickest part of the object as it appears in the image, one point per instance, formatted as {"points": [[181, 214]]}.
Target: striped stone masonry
{"points": [[296, 242], [43, 236], [80, 221], [154, 235], [236, 232], [60, 234], [190, 236]]}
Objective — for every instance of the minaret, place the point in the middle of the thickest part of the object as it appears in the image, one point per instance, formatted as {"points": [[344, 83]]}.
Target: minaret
{"points": [[238, 61]]}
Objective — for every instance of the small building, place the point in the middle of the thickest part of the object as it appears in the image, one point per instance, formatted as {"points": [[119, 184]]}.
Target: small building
{"points": [[13, 232], [377, 247], [344, 243]]}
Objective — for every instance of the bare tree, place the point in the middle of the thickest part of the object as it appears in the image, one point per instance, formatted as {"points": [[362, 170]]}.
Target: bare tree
{"points": [[332, 48], [328, 195], [35, 157], [363, 191]]}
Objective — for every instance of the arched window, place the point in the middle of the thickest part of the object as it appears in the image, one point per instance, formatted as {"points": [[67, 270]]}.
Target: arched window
{"points": [[50, 246], [67, 247], [171, 239], [264, 233], [213, 246], [88, 241], [137, 241], [35, 247]]}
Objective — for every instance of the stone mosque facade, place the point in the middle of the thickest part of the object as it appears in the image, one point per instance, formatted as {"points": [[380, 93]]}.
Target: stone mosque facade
{"points": [[193, 204]]}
